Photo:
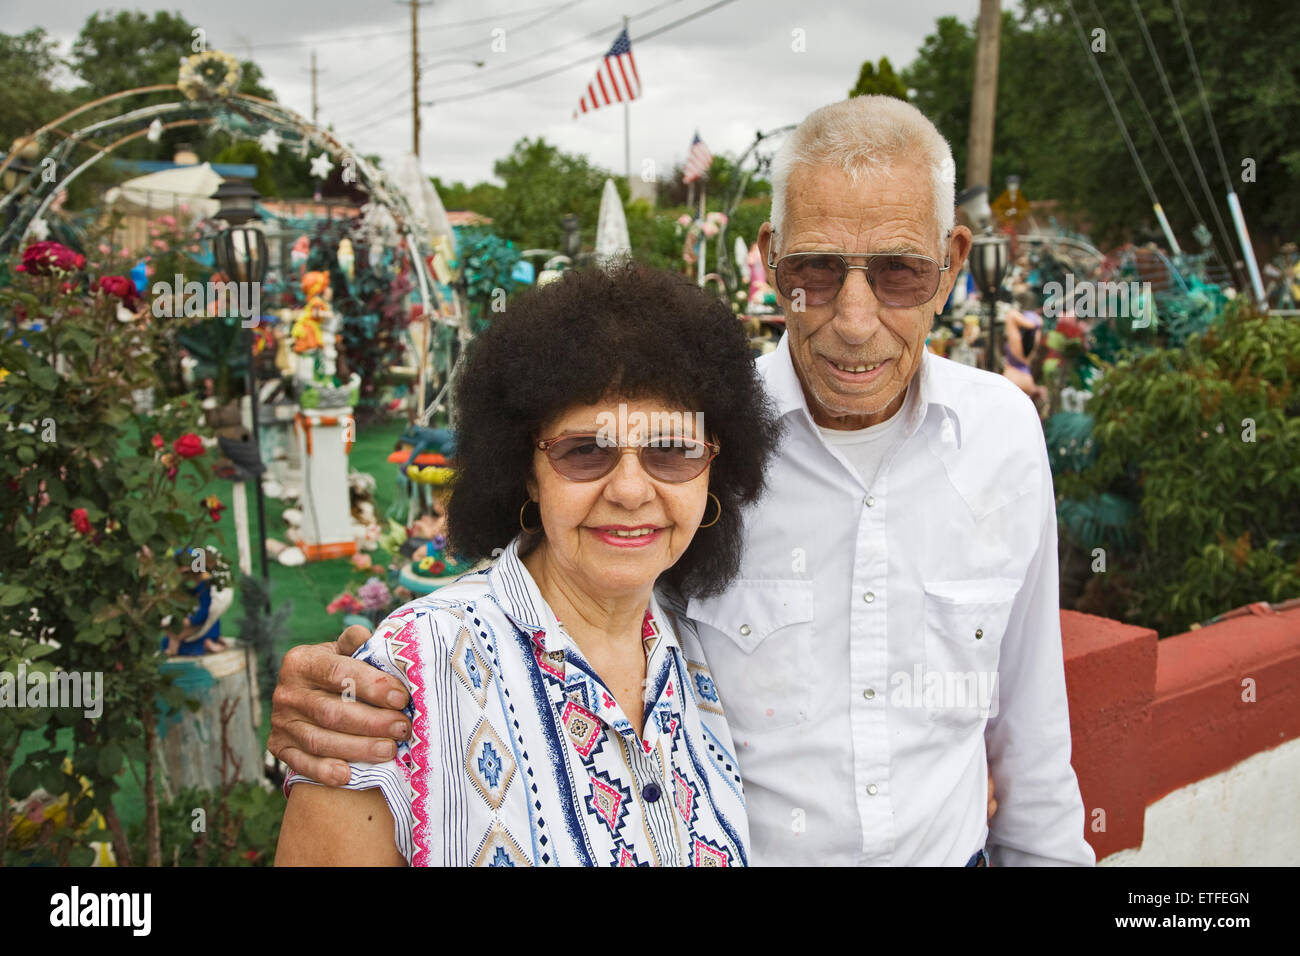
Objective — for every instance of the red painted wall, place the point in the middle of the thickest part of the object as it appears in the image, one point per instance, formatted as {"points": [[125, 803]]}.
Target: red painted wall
{"points": [[1148, 716]]}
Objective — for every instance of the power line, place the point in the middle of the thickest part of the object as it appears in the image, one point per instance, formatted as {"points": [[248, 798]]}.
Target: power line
{"points": [[584, 60], [1151, 123], [523, 26], [1110, 100], [348, 105], [1205, 103], [390, 75], [403, 31], [594, 34], [401, 111], [1187, 139]]}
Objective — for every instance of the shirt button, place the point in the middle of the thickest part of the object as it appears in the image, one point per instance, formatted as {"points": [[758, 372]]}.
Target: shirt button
{"points": [[870, 501], [651, 793], [871, 789], [744, 630], [979, 632], [869, 596], [869, 694]]}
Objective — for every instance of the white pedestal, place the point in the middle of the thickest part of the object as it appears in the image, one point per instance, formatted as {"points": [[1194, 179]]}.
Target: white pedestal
{"points": [[324, 439]]}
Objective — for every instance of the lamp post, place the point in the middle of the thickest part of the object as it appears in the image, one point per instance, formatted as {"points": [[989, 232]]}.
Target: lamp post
{"points": [[241, 256], [990, 258], [572, 240]]}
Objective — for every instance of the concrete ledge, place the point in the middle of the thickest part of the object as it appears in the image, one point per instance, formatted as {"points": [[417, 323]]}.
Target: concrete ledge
{"points": [[1150, 718], [1110, 676], [1224, 693]]}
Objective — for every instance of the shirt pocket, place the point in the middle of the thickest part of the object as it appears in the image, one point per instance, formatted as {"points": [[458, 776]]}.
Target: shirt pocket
{"points": [[757, 637], [964, 625]]}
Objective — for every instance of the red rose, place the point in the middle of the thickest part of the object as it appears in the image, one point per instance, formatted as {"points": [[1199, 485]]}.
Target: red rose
{"points": [[1069, 328], [158, 440], [188, 445], [215, 506], [50, 258], [120, 287], [81, 521]]}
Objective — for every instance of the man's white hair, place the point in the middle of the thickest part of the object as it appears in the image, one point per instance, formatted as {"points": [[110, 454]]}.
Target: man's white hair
{"points": [[862, 135]]}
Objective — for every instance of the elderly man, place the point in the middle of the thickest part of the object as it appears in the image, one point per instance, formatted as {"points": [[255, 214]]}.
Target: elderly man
{"points": [[894, 635]]}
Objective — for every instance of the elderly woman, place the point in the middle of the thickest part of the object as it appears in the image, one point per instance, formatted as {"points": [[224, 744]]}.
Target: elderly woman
{"points": [[612, 427]]}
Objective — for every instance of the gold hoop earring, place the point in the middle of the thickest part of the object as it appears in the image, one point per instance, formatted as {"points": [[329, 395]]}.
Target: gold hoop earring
{"points": [[719, 515], [527, 530]]}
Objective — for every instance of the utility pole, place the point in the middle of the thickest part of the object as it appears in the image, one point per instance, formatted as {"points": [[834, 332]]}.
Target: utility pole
{"points": [[984, 97], [315, 103], [415, 70]]}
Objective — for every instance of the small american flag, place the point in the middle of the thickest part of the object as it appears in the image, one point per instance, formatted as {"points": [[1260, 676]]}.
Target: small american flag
{"points": [[616, 79], [698, 160]]}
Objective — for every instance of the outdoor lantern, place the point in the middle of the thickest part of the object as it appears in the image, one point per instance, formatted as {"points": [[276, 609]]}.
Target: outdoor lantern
{"points": [[990, 259], [240, 252], [236, 197], [572, 241]]}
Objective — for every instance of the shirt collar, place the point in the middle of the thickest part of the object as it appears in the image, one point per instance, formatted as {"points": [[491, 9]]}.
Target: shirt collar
{"points": [[934, 389], [517, 594]]}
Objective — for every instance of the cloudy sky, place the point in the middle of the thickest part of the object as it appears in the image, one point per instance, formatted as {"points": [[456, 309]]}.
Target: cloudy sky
{"points": [[742, 66]]}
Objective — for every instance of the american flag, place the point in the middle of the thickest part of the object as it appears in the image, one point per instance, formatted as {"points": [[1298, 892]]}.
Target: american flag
{"points": [[698, 160], [616, 80]]}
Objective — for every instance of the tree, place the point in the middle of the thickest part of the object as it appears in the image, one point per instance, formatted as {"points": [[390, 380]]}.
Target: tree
{"points": [[722, 178], [480, 198], [117, 52], [122, 51], [542, 185], [879, 80], [1055, 130], [28, 96]]}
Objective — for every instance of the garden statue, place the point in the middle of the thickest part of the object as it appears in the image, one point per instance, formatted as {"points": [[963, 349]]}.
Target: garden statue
{"points": [[200, 632], [313, 333]]}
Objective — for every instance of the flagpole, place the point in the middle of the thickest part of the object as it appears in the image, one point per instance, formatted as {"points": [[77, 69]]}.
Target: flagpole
{"points": [[702, 247], [627, 135]]}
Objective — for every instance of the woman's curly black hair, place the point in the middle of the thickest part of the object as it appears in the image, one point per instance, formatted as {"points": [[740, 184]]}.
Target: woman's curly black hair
{"points": [[626, 331]]}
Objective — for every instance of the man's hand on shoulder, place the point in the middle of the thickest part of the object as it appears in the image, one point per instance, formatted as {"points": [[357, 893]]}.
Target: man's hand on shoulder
{"points": [[315, 730]]}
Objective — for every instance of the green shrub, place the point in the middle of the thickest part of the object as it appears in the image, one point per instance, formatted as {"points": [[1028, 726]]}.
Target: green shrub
{"points": [[203, 828], [1204, 442]]}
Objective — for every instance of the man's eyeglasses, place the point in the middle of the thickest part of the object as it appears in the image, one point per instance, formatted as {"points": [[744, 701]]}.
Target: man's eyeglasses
{"points": [[589, 457], [898, 280]]}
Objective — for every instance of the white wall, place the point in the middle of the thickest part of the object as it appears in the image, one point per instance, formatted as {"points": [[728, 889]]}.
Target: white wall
{"points": [[1249, 815]]}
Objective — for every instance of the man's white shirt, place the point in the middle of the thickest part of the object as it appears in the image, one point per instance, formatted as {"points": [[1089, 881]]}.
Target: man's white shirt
{"points": [[887, 643]]}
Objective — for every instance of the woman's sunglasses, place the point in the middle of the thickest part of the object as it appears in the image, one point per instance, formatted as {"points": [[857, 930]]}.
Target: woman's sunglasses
{"points": [[588, 457], [898, 280]]}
